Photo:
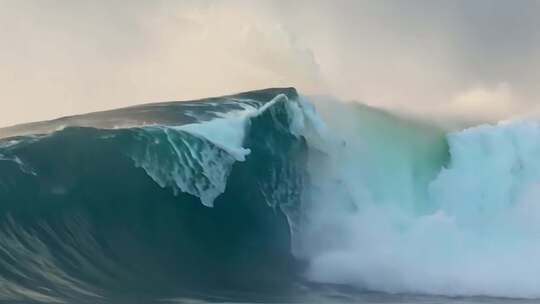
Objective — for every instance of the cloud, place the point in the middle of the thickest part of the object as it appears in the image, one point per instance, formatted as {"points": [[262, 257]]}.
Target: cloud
{"points": [[81, 57], [65, 57], [485, 104]]}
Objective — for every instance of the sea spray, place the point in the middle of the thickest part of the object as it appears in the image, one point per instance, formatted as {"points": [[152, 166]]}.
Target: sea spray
{"points": [[405, 207]]}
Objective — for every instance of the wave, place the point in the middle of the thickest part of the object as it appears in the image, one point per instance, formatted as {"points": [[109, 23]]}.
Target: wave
{"points": [[92, 213], [256, 192]]}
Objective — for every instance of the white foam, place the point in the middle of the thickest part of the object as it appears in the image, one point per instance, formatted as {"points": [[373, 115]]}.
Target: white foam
{"points": [[185, 164], [226, 133], [378, 220], [202, 170]]}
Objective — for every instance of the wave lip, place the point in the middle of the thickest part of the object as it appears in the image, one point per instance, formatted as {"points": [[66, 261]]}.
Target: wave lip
{"points": [[200, 156]]}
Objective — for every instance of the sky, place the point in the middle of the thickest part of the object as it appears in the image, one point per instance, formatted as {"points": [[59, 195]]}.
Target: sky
{"points": [[472, 59]]}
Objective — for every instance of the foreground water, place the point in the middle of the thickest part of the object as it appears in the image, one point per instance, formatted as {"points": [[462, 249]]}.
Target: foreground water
{"points": [[336, 295]]}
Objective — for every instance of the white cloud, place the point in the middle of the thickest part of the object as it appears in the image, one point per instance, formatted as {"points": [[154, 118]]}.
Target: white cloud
{"points": [[488, 104], [65, 57], [79, 62]]}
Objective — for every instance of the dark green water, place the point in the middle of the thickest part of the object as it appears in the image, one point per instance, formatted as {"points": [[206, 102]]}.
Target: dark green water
{"points": [[80, 221]]}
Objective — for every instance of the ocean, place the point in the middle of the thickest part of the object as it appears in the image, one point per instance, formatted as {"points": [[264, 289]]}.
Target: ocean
{"points": [[268, 196]]}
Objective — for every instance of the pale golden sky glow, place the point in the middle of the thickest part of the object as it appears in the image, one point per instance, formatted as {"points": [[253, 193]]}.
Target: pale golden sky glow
{"points": [[470, 58]]}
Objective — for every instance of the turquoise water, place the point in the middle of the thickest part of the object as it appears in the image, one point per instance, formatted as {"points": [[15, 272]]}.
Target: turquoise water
{"points": [[267, 197]]}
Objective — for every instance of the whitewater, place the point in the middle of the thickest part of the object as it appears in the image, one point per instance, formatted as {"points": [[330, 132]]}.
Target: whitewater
{"points": [[407, 207], [267, 193]]}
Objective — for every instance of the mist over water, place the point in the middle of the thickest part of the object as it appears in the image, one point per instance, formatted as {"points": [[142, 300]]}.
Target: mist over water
{"points": [[406, 207]]}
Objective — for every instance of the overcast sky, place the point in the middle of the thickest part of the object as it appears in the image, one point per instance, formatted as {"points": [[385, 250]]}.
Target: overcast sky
{"points": [[472, 58]]}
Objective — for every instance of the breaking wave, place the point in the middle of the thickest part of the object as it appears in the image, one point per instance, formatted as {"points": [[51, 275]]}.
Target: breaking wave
{"points": [[257, 192], [152, 209], [406, 207]]}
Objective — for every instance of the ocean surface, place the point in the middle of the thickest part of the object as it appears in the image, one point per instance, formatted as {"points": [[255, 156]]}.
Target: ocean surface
{"points": [[268, 197]]}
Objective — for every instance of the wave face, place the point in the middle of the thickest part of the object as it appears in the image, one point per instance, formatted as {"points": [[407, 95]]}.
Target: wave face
{"points": [[404, 207], [255, 193], [133, 202]]}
